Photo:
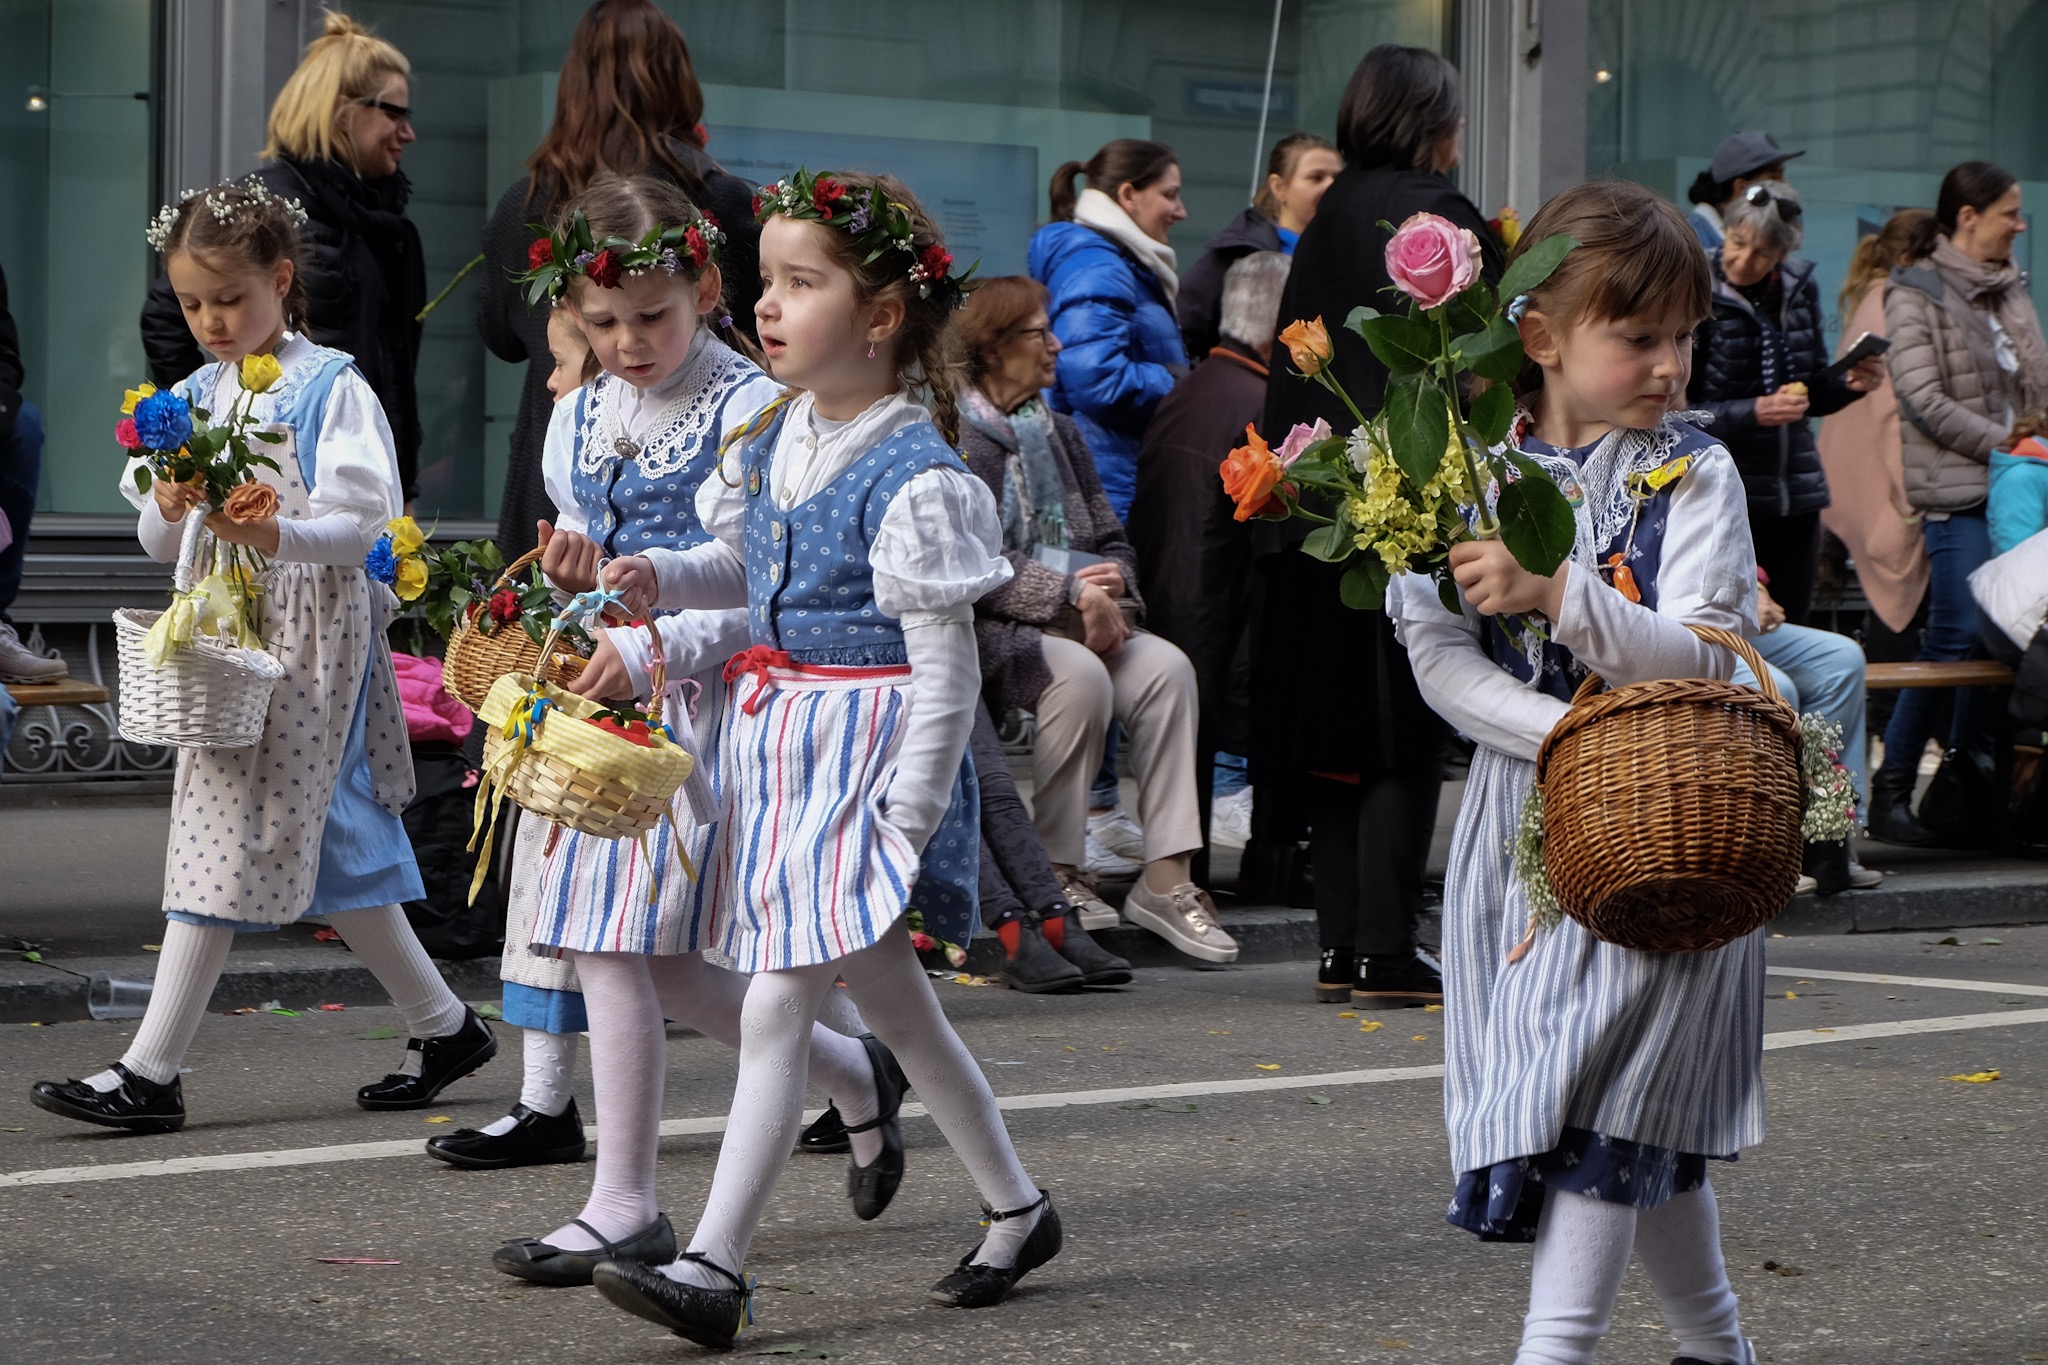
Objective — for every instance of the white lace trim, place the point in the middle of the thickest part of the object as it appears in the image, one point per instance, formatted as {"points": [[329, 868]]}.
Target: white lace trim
{"points": [[678, 430]]}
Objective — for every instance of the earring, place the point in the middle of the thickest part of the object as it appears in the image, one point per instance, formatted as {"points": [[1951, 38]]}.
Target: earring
{"points": [[871, 350]]}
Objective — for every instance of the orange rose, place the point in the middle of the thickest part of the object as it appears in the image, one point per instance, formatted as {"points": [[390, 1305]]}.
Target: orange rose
{"points": [[1250, 474], [1309, 344], [250, 502]]}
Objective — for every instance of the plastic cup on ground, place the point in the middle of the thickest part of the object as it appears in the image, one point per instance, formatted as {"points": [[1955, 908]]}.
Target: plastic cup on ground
{"points": [[113, 997]]}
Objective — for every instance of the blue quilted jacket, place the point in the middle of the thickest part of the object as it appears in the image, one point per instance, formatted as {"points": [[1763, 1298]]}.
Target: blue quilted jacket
{"points": [[1123, 348]]}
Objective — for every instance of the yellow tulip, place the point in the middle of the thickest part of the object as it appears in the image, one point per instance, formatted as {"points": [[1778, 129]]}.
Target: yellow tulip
{"points": [[406, 536], [135, 395], [259, 372], [412, 578]]}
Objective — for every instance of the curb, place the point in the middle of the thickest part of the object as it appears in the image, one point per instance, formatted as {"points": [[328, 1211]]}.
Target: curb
{"points": [[58, 994]]}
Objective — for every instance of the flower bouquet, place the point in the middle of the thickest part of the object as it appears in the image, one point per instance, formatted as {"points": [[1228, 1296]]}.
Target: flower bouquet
{"points": [[494, 620], [1433, 467]]}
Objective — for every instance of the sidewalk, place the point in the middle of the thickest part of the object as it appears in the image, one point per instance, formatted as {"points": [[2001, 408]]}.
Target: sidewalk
{"points": [[83, 880]]}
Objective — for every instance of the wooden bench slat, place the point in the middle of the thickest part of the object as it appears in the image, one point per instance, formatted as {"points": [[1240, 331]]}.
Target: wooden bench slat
{"points": [[1922, 673], [69, 692]]}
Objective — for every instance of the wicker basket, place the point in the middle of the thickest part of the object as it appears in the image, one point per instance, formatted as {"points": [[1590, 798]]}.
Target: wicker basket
{"points": [[1671, 808], [476, 659], [207, 695]]}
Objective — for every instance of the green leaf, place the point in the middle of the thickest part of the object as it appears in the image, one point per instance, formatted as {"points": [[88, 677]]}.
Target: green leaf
{"points": [[31, 956], [1318, 1099], [268, 437], [1405, 345], [378, 1035], [1448, 594], [1495, 353], [142, 478], [1534, 265], [1332, 544], [1418, 427], [1493, 412], [1470, 311], [1536, 523], [1364, 585], [488, 1011], [1359, 316]]}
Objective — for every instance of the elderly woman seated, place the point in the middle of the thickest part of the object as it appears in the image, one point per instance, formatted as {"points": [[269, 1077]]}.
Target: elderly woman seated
{"points": [[1064, 638]]}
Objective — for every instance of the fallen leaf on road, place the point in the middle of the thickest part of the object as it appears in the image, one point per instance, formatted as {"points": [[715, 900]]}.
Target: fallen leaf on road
{"points": [[1974, 1077], [1267, 1066], [13, 1130], [802, 1350], [1791, 995], [1777, 1269], [1371, 1026], [1048, 1037], [488, 1011], [1348, 1014], [1318, 1099], [1070, 1047], [1432, 1009], [442, 1118], [378, 1035], [1219, 1033], [152, 947], [355, 1260], [279, 1009], [787, 1288], [31, 957], [1823, 1030], [1992, 942], [1392, 1344], [1950, 942], [1420, 1038], [324, 934]]}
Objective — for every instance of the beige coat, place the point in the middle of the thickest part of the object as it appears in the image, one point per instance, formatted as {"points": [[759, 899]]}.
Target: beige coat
{"points": [[1859, 449]]}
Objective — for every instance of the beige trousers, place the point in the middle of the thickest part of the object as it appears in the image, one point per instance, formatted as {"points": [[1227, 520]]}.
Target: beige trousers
{"points": [[1149, 685]]}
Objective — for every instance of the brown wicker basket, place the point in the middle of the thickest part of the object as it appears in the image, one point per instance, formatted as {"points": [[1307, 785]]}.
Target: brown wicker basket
{"points": [[476, 658], [1671, 809]]}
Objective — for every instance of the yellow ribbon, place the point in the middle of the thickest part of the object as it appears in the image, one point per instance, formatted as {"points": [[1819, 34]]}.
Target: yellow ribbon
{"points": [[214, 603]]}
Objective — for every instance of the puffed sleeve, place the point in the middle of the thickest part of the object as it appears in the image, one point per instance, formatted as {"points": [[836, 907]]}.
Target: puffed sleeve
{"points": [[558, 464], [939, 548], [1484, 702], [356, 491]]}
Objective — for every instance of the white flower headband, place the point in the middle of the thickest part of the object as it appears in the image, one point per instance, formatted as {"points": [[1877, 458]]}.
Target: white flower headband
{"points": [[222, 202]]}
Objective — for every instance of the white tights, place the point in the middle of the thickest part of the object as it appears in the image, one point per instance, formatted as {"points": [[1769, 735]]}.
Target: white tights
{"points": [[1582, 1248], [627, 995], [192, 958], [896, 998]]}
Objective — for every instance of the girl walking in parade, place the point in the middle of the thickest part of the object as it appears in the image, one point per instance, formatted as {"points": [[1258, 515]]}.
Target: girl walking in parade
{"points": [[306, 820], [623, 460], [1587, 1085], [857, 542]]}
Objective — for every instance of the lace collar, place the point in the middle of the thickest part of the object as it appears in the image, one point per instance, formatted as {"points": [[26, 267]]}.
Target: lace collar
{"points": [[679, 428]]}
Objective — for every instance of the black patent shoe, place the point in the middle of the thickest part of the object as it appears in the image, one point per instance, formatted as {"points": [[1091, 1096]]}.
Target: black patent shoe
{"points": [[535, 1140], [530, 1259], [1097, 965], [982, 1286], [443, 1061], [709, 1317], [1335, 974], [138, 1104], [827, 1133], [872, 1186], [1035, 968], [1398, 982]]}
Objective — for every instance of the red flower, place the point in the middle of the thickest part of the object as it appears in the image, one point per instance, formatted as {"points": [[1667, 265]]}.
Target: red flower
{"points": [[124, 432], [712, 218], [824, 194], [505, 606], [604, 269], [539, 252], [700, 250], [636, 733], [757, 206], [935, 262]]}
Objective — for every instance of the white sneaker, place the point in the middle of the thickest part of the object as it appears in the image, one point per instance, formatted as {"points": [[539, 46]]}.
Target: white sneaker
{"points": [[1230, 819], [20, 664], [1119, 833], [1184, 917], [1095, 912], [1102, 863], [1805, 886], [1863, 878]]}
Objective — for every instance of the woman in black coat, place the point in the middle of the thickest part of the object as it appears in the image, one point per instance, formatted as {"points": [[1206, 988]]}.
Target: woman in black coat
{"points": [[1361, 766], [644, 121]]}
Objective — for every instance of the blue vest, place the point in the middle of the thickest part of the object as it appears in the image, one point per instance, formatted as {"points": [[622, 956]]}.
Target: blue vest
{"points": [[301, 401], [810, 583]]}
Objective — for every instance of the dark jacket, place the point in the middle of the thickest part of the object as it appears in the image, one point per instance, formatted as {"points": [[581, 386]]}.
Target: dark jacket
{"points": [[516, 332], [1780, 466], [1122, 343], [1200, 304], [1010, 620], [365, 282], [1383, 723], [12, 376]]}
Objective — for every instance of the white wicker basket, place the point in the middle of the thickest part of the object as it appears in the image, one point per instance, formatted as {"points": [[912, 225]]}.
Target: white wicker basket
{"points": [[206, 696]]}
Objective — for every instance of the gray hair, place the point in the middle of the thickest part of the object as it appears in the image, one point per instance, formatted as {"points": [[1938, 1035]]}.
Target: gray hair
{"points": [[1777, 225], [1251, 297]]}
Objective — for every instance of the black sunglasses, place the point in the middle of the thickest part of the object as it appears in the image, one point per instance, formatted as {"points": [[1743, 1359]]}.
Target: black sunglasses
{"points": [[1759, 197], [400, 113]]}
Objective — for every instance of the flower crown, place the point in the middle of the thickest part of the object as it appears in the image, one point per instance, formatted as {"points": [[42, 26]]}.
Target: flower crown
{"points": [[555, 257], [221, 201], [874, 221]]}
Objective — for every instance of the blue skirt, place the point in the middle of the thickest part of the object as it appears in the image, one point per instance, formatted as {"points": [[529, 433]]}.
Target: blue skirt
{"points": [[1503, 1203]]}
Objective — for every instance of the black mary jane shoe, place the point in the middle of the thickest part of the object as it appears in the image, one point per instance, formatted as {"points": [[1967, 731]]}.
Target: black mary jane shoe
{"points": [[443, 1061], [536, 1139], [529, 1258], [872, 1186], [983, 1286], [138, 1104], [709, 1317], [827, 1133]]}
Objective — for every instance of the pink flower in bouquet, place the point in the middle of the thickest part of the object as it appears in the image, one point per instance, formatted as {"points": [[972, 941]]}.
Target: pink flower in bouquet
{"points": [[922, 941], [1301, 438], [1432, 260], [956, 955], [124, 432]]}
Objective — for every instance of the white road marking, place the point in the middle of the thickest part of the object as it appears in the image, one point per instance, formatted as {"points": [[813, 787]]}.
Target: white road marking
{"points": [[1940, 983], [369, 1151]]}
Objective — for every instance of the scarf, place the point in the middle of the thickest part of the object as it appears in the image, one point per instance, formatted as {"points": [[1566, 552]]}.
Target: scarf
{"points": [[1997, 284], [1034, 491], [1097, 210]]}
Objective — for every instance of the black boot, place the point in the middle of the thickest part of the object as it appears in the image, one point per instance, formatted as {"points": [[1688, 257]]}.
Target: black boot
{"points": [[1035, 968], [443, 1061], [1097, 965], [1334, 975], [138, 1104], [535, 1140], [1828, 864], [1891, 809]]}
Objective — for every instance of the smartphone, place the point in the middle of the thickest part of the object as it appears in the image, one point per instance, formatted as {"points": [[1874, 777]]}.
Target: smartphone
{"points": [[1868, 345]]}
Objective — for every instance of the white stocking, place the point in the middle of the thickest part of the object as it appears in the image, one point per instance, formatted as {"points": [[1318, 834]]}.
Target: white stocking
{"points": [[383, 939], [1582, 1247], [550, 1061], [1680, 1243], [628, 1052], [186, 972], [839, 1013]]}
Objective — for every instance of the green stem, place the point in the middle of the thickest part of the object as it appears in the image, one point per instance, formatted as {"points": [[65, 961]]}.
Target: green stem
{"points": [[1327, 382], [1485, 525], [449, 288]]}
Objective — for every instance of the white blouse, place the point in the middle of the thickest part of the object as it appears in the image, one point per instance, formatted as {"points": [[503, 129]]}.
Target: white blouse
{"points": [[1707, 577]]}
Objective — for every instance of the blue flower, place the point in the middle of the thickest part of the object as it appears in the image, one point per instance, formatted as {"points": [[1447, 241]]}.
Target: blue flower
{"points": [[163, 420], [380, 563]]}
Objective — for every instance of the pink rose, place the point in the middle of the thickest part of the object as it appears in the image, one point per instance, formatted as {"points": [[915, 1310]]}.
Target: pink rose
{"points": [[1432, 260], [124, 432], [1301, 438]]}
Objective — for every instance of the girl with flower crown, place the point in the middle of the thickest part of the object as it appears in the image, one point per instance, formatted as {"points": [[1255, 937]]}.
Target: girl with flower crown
{"points": [[306, 820], [856, 541], [625, 454]]}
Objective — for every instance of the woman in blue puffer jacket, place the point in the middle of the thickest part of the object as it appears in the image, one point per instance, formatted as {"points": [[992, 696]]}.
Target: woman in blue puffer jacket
{"points": [[1110, 274]]}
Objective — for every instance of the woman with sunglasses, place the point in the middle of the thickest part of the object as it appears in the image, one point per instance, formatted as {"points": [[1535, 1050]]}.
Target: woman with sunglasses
{"points": [[335, 137]]}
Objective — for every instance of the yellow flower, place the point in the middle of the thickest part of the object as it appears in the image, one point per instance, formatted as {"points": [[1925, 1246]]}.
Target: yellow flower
{"points": [[412, 578], [259, 372], [406, 536], [135, 395]]}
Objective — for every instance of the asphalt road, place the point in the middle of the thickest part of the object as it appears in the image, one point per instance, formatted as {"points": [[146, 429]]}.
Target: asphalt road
{"points": [[1281, 1202]]}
